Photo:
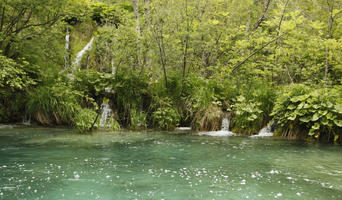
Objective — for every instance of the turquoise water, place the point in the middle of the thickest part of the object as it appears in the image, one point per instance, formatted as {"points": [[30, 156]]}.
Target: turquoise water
{"points": [[40, 163]]}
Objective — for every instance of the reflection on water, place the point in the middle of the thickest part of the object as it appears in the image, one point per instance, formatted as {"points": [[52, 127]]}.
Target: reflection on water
{"points": [[59, 164]]}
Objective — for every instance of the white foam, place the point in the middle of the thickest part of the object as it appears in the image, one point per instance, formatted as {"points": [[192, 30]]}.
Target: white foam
{"points": [[218, 133], [224, 132], [183, 128], [264, 132]]}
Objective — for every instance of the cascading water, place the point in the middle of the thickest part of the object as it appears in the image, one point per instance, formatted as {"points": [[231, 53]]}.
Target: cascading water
{"points": [[264, 132], [225, 124], [80, 54], [67, 49], [107, 114], [113, 66], [27, 120], [67, 42], [224, 129]]}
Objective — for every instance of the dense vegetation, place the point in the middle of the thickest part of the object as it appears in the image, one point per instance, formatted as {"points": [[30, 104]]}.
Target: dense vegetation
{"points": [[162, 64]]}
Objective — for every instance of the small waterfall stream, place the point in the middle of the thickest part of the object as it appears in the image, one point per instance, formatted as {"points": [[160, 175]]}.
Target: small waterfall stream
{"points": [[67, 50], [27, 120], [80, 54], [264, 132], [107, 114], [224, 129], [225, 124]]}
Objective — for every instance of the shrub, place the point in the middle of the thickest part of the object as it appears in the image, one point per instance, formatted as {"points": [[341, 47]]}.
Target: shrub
{"points": [[15, 79], [208, 119], [165, 116], [252, 108], [303, 112], [138, 119], [58, 104], [247, 116]]}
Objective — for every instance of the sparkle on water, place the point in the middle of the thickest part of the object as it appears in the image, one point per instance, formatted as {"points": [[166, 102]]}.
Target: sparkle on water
{"points": [[40, 163]]}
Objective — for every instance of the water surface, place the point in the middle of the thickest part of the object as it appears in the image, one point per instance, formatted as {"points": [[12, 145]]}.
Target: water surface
{"points": [[41, 163]]}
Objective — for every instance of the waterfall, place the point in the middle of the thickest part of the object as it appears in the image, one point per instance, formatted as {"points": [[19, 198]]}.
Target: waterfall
{"points": [[113, 66], [225, 124], [264, 132], [27, 120], [224, 129], [67, 49], [107, 113], [67, 42], [82, 52]]}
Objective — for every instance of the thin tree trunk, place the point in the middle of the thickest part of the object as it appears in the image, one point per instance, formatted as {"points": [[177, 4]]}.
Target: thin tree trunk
{"points": [[262, 18], [288, 73], [186, 39], [161, 47], [278, 32], [138, 29], [2, 18], [148, 29], [330, 26]]}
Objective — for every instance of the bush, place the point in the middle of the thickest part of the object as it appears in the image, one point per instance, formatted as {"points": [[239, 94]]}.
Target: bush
{"points": [[58, 104], [165, 116], [252, 108], [15, 79], [208, 119], [303, 112]]}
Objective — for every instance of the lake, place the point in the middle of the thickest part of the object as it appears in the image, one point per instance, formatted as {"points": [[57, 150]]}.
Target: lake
{"points": [[45, 163]]}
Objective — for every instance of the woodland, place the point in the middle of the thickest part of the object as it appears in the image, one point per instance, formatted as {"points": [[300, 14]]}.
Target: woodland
{"points": [[162, 64]]}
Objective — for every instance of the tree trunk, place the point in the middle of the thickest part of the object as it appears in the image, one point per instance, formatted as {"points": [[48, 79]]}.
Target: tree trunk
{"points": [[186, 39], [330, 26], [138, 29], [262, 18]]}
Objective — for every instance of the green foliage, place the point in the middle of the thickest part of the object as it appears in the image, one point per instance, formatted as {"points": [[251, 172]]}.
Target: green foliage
{"points": [[15, 79], [165, 116], [305, 112], [14, 76], [252, 108], [130, 91], [138, 119], [246, 115], [59, 104], [84, 119]]}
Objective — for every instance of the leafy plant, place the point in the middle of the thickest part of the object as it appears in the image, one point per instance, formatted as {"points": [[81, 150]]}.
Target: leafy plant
{"points": [[58, 104], [303, 112], [165, 116], [247, 116]]}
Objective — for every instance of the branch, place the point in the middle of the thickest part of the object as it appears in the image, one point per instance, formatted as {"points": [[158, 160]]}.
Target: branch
{"points": [[263, 16], [49, 22], [2, 18], [255, 52]]}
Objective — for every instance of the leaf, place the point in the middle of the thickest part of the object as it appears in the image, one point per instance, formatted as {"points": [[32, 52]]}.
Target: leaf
{"points": [[291, 107], [336, 138], [315, 126], [315, 117], [305, 119], [292, 117], [338, 122], [338, 109], [311, 132]]}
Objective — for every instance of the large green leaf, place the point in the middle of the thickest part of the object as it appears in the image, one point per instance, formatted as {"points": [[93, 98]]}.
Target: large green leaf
{"points": [[305, 119], [338, 122], [292, 117], [291, 107], [315, 117]]}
